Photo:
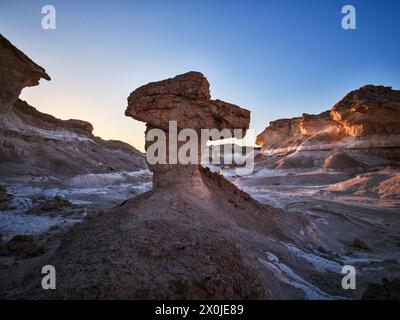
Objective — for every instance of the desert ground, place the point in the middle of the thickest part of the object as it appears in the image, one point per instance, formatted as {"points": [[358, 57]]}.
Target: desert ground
{"points": [[354, 224]]}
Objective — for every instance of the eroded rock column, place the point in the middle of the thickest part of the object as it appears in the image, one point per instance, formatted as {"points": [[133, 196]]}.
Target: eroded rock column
{"points": [[186, 100]]}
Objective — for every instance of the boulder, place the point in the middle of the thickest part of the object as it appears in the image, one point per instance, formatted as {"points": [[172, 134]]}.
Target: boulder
{"points": [[3, 245]]}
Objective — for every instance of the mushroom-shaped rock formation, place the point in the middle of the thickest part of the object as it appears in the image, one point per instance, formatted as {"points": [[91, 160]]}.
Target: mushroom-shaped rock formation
{"points": [[282, 133], [201, 239], [186, 100]]}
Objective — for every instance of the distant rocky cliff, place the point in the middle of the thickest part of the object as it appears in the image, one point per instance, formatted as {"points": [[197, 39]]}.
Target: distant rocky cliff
{"points": [[365, 122], [36, 143]]}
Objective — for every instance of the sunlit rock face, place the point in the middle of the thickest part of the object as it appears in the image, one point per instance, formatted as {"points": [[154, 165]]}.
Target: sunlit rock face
{"points": [[370, 110], [185, 99], [35, 143], [365, 114], [290, 133]]}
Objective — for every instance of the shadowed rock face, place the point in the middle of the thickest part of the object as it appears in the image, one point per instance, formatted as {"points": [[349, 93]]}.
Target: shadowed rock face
{"points": [[35, 143], [311, 125], [186, 100]]}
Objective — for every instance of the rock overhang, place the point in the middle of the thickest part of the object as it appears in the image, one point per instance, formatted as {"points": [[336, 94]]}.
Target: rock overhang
{"points": [[185, 99]]}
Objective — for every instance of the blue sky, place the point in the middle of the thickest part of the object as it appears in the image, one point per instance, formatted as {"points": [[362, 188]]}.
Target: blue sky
{"points": [[275, 58]]}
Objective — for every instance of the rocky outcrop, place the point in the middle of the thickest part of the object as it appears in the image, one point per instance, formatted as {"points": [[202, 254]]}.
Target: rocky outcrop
{"points": [[17, 71], [24, 246], [195, 235], [186, 100], [387, 290], [364, 123], [31, 117], [341, 161], [35, 143], [290, 133], [281, 133], [370, 110]]}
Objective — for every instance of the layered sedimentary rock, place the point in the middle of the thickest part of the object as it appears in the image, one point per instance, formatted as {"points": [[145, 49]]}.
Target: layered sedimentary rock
{"points": [[290, 133], [281, 133], [368, 111], [17, 71], [35, 143], [311, 125], [365, 122], [185, 99]]}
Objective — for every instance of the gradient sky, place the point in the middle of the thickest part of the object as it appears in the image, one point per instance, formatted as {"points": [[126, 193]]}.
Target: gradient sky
{"points": [[275, 58]]}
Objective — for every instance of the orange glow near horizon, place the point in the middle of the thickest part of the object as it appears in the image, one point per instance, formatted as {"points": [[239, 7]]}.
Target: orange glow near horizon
{"points": [[109, 122]]}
